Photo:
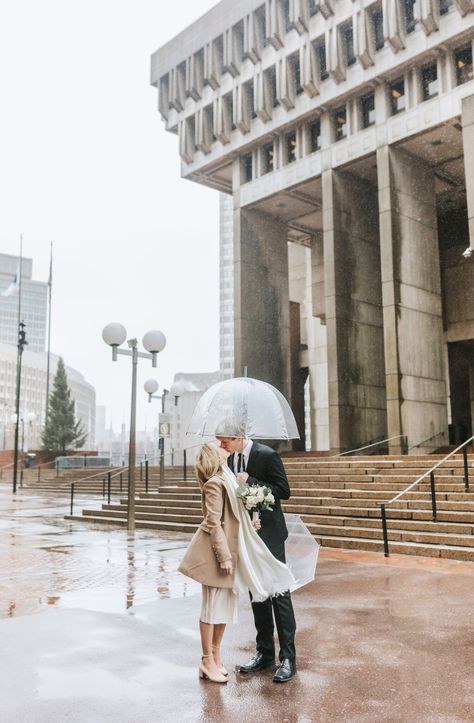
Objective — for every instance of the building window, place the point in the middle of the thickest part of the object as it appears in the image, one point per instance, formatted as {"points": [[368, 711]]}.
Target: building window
{"points": [[268, 161], [463, 63], [445, 6], [285, 7], [315, 135], [238, 37], [228, 105], [429, 81], [397, 96], [377, 27], [247, 89], [323, 70], [313, 7], [294, 68], [348, 43], [368, 110], [410, 19], [247, 168], [291, 147], [340, 124], [271, 86], [261, 23]]}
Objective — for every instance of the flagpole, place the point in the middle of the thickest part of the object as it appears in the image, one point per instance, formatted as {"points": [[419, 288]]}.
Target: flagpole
{"points": [[50, 288], [21, 343]]}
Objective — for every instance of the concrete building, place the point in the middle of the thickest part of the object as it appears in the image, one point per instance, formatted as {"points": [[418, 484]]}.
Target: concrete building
{"points": [[34, 304], [343, 130], [181, 412], [226, 286], [33, 396]]}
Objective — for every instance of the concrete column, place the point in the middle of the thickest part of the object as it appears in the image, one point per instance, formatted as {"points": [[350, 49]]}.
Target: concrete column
{"points": [[413, 331], [468, 141], [261, 301], [354, 321]]}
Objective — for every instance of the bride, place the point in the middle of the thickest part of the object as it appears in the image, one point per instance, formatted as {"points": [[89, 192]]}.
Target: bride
{"points": [[226, 556]]}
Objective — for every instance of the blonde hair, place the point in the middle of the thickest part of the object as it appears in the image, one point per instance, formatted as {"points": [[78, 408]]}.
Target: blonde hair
{"points": [[207, 463]]}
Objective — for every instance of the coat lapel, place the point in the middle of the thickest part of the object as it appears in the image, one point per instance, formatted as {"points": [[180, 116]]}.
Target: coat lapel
{"points": [[252, 458], [230, 489]]}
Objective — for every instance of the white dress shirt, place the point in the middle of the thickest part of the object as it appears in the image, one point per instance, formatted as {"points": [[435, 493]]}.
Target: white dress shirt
{"points": [[246, 454]]}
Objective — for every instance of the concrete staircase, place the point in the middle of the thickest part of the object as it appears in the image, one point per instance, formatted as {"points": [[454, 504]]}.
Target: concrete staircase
{"points": [[339, 500], [60, 484]]}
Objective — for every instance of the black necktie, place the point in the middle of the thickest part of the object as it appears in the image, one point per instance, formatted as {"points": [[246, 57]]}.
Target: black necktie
{"points": [[240, 463]]}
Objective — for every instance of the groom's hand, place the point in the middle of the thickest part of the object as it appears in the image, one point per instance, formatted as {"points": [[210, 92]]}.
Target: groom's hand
{"points": [[242, 478]]}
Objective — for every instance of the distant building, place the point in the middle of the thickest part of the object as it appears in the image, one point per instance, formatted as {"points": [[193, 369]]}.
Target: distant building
{"points": [[33, 396], [34, 304], [195, 385], [226, 286]]}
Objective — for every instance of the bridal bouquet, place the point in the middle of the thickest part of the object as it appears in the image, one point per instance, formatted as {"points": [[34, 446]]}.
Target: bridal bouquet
{"points": [[256, 498]]}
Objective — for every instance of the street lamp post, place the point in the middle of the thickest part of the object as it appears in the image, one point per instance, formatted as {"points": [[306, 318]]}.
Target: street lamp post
{"points": [[154, 342], [176, 390], [151, 386], [21, 345]]}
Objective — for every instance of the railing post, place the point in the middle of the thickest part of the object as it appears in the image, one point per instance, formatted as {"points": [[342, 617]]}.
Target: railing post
{"points": [[433, 495], [146, 476], [141, 471], [185, 471], [120, 482], [103, 487], [109, 482], [57, 469], [385, 533], [466, 469], [162, 466], [72, 497]]}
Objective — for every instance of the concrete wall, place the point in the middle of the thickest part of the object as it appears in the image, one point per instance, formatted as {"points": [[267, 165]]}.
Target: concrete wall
{"points": [[357, 409], [262, 305], [416, 389]]}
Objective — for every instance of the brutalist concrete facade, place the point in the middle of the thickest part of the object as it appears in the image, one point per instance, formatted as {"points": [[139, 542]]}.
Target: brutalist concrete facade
{"points": [[344, 132]]}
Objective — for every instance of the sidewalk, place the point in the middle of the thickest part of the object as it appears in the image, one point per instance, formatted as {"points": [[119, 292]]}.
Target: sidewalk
{"points": [[97, 628]]}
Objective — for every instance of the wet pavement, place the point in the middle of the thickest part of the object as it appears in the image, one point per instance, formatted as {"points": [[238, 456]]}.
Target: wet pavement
{"points": [[96, 627]]}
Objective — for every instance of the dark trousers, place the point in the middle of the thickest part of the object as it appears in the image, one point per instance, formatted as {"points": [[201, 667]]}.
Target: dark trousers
{"points": [[282, 608]]}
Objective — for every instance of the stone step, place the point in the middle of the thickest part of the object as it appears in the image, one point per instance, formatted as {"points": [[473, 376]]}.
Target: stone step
{"points": [[395, 534], [140, 524], [452, 552]]}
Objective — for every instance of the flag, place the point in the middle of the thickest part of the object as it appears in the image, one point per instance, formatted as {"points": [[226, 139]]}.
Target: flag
{"points": [[13, 287]]}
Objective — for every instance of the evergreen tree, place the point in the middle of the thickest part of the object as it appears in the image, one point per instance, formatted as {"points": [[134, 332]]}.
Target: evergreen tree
{"points": [[62, 433]]}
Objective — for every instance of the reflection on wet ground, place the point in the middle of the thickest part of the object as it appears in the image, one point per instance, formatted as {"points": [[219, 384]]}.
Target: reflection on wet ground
{"points": [[48, 561], [378, 640]]}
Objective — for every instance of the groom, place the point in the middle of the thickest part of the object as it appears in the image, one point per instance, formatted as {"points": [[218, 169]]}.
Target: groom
{"points": [[256, 463]]}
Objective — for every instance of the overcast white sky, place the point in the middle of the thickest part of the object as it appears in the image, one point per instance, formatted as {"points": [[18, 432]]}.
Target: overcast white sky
{"points": [[85, 162]]}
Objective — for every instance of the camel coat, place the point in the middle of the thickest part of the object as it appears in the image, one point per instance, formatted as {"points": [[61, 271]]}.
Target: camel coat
{"points": [[216, 539]]}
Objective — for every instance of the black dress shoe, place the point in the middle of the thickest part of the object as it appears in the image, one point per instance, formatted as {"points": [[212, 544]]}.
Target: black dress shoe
{"points": [[258, 662], [285, 672]]}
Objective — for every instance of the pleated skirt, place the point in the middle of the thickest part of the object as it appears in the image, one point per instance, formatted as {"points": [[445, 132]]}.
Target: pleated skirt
{"points": [[220, 605]]}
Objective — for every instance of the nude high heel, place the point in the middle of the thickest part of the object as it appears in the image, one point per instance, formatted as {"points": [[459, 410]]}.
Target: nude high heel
{"points": [[206, 675], [221, 668]]}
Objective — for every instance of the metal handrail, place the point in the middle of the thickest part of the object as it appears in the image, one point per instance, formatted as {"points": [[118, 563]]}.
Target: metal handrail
{"points": [[115, 472], [367, 446], [428, 439], [431, 474]]}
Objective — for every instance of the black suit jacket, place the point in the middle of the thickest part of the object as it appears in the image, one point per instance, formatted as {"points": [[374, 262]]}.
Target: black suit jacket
{"points": [[265, 467]]}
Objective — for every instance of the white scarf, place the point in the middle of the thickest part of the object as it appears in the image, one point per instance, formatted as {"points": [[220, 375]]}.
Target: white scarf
{"points": [[257, 570]]}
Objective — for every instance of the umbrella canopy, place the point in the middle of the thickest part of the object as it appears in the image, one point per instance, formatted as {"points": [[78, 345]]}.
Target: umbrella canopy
{"points": [[301, 551], [244, 407]]}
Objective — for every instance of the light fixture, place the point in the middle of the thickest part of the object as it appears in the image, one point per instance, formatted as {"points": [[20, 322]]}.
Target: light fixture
{"points": [[114, 334]]}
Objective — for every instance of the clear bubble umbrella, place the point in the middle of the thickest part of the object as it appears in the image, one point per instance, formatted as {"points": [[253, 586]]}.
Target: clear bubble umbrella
{"points": [[244, 407], [301, 551]]}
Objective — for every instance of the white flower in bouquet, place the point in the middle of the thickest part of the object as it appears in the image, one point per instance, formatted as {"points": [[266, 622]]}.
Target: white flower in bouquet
{"points": [[251, 501], [256, 498]]}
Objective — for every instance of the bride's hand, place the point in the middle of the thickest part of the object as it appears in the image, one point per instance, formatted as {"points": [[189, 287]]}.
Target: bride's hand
{"points": [[256, 524], [227, 567]]}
